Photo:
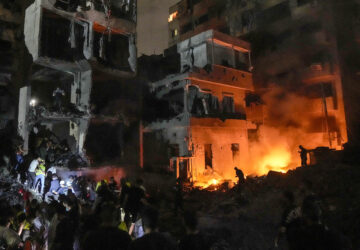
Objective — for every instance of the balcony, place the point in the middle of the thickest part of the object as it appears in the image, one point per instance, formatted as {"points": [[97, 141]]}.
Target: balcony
{"points": [[318, 72]]}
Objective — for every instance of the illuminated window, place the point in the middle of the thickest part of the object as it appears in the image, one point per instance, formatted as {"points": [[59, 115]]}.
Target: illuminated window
{"points": [[174, 33], [172, 16]]}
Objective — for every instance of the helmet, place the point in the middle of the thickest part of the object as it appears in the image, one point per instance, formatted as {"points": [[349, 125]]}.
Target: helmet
{"points": [[62, 182]]}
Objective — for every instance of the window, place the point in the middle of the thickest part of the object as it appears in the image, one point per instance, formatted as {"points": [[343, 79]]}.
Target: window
{"points": [[235, 149], [186, 28], [208, 156], [174, 33], [229, 57], [228, 105], [212, 104], [242, 61], [202, 19]]}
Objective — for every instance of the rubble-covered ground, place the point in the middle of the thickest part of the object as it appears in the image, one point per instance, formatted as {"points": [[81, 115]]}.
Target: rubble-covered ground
{"points": [[250, 219]]}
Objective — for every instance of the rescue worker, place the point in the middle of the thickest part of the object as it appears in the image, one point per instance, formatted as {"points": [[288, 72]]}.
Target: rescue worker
{"points": [[54, 187], [31, 172], [240, 175], [303, 155], [40, 172]]}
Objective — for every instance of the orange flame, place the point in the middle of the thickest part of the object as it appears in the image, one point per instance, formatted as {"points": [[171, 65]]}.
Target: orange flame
{"points": [[172, 16], [277, 160]]}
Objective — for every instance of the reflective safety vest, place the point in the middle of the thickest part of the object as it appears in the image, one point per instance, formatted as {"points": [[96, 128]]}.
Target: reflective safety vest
{"points": [[98, 184], [27, 225], [40, 170], [122, 226]]}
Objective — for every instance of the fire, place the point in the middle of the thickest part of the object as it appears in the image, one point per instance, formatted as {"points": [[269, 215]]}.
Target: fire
{"points": [[204, 184], [276, 160], [214, 182], [172, 16]]}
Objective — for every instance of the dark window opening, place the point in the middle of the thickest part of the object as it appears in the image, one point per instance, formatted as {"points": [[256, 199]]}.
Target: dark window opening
{"points": [[202, 19], [112, 52], [208, 156], [235, 149], [55, 34], [228, 105], [242, 61], [186, 28]]}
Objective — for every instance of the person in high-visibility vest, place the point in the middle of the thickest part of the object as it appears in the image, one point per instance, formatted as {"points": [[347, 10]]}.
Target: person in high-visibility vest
{"points": [[40, 172]]}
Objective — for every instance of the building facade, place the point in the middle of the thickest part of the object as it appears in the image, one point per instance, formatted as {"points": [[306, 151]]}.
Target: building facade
{"points": [[72, 47], [207, 131], [296, 46]]}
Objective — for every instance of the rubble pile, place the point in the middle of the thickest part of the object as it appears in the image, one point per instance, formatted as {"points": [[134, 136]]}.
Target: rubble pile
{"points": [[9, 188], [251, 217]]}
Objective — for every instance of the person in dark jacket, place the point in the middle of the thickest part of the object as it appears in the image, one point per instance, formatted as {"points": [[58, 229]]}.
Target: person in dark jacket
{"points": [[54, 188]]}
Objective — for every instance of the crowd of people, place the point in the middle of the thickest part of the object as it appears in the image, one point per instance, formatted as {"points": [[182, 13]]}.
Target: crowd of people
{"points": [[79, 213]]}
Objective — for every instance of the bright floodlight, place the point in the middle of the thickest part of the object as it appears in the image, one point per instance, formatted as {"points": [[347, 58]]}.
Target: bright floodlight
{"points": [[33, 102]]}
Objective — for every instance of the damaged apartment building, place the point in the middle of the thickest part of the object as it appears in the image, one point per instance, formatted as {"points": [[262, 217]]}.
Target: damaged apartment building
{"points": [[308, 48], [302, 82], [75, 49], [207, 128]]}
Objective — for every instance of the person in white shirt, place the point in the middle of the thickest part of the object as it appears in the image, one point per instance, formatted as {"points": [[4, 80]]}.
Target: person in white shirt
{"points": [[31, 172]]}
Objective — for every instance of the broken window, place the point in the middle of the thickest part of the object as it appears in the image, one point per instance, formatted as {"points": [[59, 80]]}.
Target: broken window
{"points": [[223, 56], [230, 57], [61, 38], [208, 156], [235, 149], [212, 104], [202, 103], [121, 8], [242, 61], [112, 50], [228, 105]]}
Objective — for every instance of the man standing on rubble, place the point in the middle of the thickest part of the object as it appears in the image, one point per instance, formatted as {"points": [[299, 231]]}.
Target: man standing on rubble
{"points": [[303, 155], [31, 172], [240, 175], [40, 172], [58, 95]]}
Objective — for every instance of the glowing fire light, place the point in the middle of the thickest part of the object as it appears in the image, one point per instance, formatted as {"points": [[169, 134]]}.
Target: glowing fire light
{"points": [[172, 16], [276, 160], [205, 184], [214, 182]]}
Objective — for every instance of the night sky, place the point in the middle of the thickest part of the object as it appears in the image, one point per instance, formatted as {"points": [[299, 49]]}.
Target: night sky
{"points": [[152, 29]]}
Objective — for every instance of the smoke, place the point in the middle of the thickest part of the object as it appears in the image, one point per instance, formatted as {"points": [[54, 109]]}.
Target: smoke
{"points": [[287, 124]]}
